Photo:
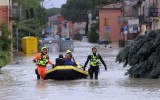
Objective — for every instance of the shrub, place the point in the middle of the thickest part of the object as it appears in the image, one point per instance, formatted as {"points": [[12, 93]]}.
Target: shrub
{"points": [[93, 37], [4, 58], [5, 44]]}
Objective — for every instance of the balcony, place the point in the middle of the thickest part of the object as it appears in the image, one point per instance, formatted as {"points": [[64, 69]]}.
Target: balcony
{"points": [[153, 13], [14, 13]]}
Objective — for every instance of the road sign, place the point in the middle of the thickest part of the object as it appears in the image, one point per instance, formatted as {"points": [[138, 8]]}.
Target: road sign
{"points": [[107, 28], [125, 28]]}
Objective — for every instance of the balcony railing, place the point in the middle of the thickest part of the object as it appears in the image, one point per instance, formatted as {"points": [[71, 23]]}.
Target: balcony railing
{"points": [[153, 12], [14, 13]]}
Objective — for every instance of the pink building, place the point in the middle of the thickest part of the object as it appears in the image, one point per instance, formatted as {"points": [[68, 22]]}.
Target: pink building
{"points": [[110, 28]]}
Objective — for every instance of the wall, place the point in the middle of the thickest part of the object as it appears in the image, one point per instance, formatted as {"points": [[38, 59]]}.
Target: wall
{"points": [[4, 2], [112, 16], [4, 12]]}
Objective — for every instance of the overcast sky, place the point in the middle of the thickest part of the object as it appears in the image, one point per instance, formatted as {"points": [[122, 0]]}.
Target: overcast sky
{"points": [[54, 3]]}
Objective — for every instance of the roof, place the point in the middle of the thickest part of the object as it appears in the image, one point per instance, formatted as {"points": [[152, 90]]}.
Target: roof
{"points": [[113, 6]]}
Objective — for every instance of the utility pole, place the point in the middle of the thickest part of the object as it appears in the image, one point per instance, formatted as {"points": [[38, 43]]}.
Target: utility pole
{"points": [[42, 17], [17, 39], [42, 14], [123, 17]]}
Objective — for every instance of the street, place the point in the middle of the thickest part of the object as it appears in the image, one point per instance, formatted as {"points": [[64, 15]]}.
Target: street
{"points": [[18, 81]]}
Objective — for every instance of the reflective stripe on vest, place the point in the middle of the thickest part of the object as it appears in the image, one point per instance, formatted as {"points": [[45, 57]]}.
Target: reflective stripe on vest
{"points": [[94, 60], [43, 61]]}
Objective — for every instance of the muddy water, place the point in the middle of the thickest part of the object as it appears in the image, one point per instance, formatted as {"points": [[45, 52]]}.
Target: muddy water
{"points": [[18, 81]]}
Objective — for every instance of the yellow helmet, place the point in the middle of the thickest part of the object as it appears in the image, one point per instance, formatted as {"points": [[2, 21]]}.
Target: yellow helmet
{"points": [[68, 51], [94, 47], [44, 48]]}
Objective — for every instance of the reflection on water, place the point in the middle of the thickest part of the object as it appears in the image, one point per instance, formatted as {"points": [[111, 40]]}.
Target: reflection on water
{"points": [[18, 81], [94, 83], [41, 84]]}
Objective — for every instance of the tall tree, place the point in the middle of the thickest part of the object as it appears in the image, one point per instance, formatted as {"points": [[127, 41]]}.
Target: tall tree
{"points": [[143, 56], [76, 10]]}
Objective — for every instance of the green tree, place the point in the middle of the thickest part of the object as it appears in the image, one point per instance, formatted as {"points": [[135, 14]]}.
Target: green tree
{"points": [[143, 56], [29, 22], [5, 42], [4, 39], [52, 11], [76, 10], [93, 33]]}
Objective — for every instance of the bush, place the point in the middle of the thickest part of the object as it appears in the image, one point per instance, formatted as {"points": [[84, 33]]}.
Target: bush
{"points": [[4, 58], [93, 37], [5, 43], [121, 43]]}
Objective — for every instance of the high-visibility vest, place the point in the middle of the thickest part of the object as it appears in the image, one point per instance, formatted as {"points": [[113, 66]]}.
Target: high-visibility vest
{"points": [[94, 61], [43, 61]]}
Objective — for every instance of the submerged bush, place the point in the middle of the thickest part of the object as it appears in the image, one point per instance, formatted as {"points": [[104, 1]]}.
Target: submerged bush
{"points": [[5, 45], [4, 58]]}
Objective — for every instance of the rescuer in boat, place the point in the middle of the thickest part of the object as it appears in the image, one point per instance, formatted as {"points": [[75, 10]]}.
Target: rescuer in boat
{"points": [[71, 56], [41, 60], [67, 60], [94, 63]]}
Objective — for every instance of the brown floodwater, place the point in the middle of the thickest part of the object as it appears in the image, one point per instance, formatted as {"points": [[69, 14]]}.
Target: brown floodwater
{"points": [[18, 81]]}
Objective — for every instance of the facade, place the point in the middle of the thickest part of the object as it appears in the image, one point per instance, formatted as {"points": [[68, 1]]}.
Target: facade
{"points": [[144, 18], [129, 22], [5, 12], [53, 24], [60, 27], [109, 23]]}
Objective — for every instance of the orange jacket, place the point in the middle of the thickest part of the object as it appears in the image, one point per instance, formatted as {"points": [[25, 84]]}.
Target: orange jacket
{"points": [[38, 56]]}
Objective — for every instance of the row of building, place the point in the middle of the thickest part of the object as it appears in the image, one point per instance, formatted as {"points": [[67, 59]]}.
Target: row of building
{"points": [[64, 28], [127, 19], [122, 20]]}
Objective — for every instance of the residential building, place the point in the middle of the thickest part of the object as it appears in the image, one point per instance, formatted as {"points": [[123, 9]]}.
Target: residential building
{"points": [[5, 12], [145, 17], [129, 22], [8, 12], [110, 28]]}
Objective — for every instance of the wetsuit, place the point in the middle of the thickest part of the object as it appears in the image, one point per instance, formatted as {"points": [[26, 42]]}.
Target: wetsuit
{"points": [[94, 64]]}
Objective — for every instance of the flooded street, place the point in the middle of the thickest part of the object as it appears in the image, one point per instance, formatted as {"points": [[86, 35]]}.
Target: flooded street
{"points": [[18, 81]]}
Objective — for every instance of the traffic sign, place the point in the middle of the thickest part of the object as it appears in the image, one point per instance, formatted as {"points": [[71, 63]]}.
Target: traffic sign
{"points": [[107, 28], [125, 28]]}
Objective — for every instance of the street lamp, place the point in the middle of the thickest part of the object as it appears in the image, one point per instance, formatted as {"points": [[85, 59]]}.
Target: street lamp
{"points": [[0, 31]]}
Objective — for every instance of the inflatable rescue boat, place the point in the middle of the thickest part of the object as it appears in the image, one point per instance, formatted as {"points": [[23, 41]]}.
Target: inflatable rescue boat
{"points": [[66, 72]]}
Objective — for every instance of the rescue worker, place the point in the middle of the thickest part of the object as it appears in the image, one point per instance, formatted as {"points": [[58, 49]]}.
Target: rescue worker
{"points": [[94, 63], [69, 52], [41, 60], [67, 60]]}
